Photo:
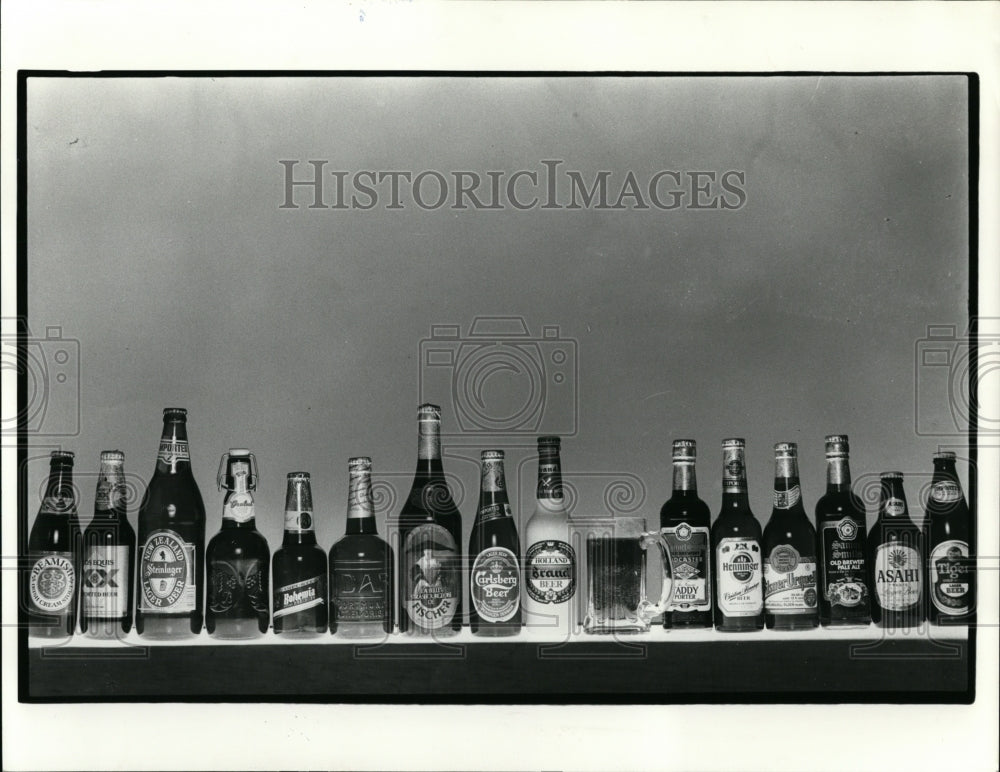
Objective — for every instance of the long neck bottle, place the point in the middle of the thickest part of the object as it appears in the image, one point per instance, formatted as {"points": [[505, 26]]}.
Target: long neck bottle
{"points": [[951, 580], [895, 557], [299, 567]]}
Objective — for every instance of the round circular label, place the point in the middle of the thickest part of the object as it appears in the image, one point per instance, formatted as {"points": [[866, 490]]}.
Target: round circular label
{"points": [[741, 568], [165, 569], [550, 571], [52, 583], [784, 558], [495, 584]]}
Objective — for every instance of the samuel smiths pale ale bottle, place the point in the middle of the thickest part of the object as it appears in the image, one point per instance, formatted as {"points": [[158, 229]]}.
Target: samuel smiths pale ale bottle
{"points": [[171, 570], [108, 555], [736, 538], [430, 535], [238, 557], [299, 567], [790, 598], [495, 577], [684, 520], [841, 544], [895, 559], [951, 570], [54, 556]]}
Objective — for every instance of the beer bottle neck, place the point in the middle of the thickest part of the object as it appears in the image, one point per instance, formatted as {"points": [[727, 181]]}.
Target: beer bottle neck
{"points": [[360, 511], [550, 487], [174, 456], [685, 480], [893, 503], [734, 480], [838, 474], [787, 492], [493, 487], [946, 490], [299, 519], [237, 507], [60, 496], [109, 501]]}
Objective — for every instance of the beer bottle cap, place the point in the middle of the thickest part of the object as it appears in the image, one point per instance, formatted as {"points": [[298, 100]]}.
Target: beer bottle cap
{"points": [[549, 441], [427, 410], [734, 442], [359, 464], [945, 455], [61, 456], [837, 445], [234, 452], [836, 439], [891, 476], [786, 449], [175, 413], [492, 455], [112, 457], [298, 475]]}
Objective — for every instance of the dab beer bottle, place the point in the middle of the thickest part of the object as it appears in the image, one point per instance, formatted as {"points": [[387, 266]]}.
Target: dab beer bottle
{"points": [[895, 559], [951, 569], [299, 567]]}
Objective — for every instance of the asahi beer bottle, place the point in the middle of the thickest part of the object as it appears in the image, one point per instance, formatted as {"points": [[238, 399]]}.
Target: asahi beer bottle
{"points": [[108, 555], [361, 566], [51, 586], [951, 570], [550, 580], [238, 558], [841, 544], [790, 598], [895, 559], [299, 567], [430, 538], [685, 521], [171, 558], [495, 554], [736, 542]]}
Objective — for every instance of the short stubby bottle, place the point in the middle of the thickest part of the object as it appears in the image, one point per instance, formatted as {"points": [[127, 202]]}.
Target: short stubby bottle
{"points": [[299, 567], [896, 559], [951, 577]]}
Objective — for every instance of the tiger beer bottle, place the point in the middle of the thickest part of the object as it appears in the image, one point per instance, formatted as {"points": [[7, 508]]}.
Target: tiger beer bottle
{"points": [[951, 568]]}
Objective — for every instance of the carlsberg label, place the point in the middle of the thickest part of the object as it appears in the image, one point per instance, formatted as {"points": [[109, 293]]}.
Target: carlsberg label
{"points": [[495, 584]]}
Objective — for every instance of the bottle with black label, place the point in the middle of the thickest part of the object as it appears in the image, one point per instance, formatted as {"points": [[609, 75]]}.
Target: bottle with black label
{"points": [[895, 559], [842, 544], [495, 554], [108, 555], [299, 567], [951, 581], [685, 521]]}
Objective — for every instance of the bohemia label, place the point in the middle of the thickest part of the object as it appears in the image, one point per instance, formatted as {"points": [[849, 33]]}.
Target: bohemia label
{"points": [[105, 582], [52, 582], [739, 577], [360, 590], [292, 598], [844, 560], [433, 583], [551, 571], [689, 549], [789, 581], [897, 576], [166, 573], [950, 567], [495, 584]]}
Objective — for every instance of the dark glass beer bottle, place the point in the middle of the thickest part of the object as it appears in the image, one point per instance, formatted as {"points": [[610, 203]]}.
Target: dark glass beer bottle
{"points": [[841, 550], [685, 520], [52, 585], [895, 559], [951, 582], [299, 567], [736, 538], [171, 570], [108, 555], [361, 566], [238, 557], [430, 538], [495, 576]]}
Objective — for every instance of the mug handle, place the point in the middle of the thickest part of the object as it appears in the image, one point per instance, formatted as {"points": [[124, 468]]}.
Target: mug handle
{"points": [[646, 609]]}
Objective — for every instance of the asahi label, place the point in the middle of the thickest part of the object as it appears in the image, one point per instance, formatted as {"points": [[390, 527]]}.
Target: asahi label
{"points": [[740, 577], [432, 582], [787, 499], [105, 582], [550, 571], [789, 581], [951, 574], [895, 507], [843, 559], [946, 492], [52, 582], [359, 591], [297, 521], [237, 582], [897, 576], [299, 596], [238, 507], [692, 583], [166, 574], [496, 584], [172, 451]]}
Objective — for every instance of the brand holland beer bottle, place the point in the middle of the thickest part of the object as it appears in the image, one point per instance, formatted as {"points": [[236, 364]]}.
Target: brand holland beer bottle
{"points": [[171, 569], [549, 560], [951, 570], [299, 567], [685, 519], [361, 566], [495, 577], [238, 557], [895, 559], [108, 555], [790, 598], [51, 587], [430, 535], [736, 566]]}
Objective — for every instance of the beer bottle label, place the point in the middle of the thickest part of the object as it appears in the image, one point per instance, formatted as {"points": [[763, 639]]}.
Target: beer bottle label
{"points": [[236, 582], [105, 582], [52, 581], [843, 563], [740, 577], [692, 584], [298, 521], [787, 499], [897, 576], [238, 507], [166, 574], [493, 511], [946, 492], [789, 581], [432, 581], [495, 584], [359, 588], [172, 451], [110, 494], [951, 568], [895, 507], [550, 571], [299, 596]]}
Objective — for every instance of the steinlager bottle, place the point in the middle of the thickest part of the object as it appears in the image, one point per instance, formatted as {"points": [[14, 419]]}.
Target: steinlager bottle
{"points": [[895, 559], [951, 568], [300, 594]]}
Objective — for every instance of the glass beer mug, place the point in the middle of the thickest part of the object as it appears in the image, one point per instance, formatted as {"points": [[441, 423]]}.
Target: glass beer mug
{"points": [[616, 577]]}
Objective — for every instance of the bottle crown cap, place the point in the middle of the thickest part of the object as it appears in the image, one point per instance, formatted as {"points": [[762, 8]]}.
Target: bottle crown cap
{"points": [[551, 441], [839, 439], [61, 456], [359, 464], [945, 455], [298, 475], [684, 448], [786, 449], [178, 413], [492, 455], [238, 452], [891, 476], [112, 457], [427, 410], [837, 445], [734, 442]]}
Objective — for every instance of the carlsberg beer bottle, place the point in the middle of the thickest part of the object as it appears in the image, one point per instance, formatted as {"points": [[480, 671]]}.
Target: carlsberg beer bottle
{"points": [[951, 568], [895, 559]]}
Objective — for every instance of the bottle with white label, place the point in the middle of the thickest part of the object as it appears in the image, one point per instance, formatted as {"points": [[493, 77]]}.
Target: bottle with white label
{"points": [[299, 567], [895, 559], [108, 555], [951, 578]]}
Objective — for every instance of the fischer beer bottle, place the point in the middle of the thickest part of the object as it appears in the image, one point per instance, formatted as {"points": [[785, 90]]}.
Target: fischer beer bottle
{"points": [[238, 557], [685, 520], [299, 567], [108, 555], [171, 570], [951, 568], [495, 576], [895, 559], [51, 586], [736, 538]]}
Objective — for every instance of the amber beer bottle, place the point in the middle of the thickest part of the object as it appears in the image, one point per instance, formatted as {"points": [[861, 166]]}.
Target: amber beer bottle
{"points": [[495, 576], [299, 567], [108, 555], [52, 584], [685, 521], [736, 538], [895, 559], [171, 571], [951, 568]]}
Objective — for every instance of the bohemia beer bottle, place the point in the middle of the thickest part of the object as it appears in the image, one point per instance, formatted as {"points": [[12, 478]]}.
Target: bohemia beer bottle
{"points": [[790, 598], [430, 535], [54, 556], [108, 555], [736, 537], [495, 577], [684, 520], [171, 569], [549, 560], [895, 559], [950, 576], [361, 566], [299, 567], [238, 558], [841, 544]]}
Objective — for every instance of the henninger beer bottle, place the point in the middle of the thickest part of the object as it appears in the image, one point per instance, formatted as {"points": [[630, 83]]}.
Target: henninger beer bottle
{"points": [[951, 568]]}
